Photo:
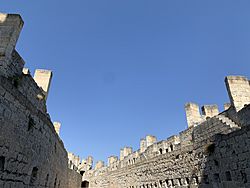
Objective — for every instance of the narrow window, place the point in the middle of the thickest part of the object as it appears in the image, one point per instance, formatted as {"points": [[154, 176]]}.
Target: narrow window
{"points": [[196, 180], [216, 163], [31, 124], [55, 182], [244, 176], [166, 183], [179, 181], [55, 148], [171, 147], [46, 180], [205, 179], [172, 182], [160, 150], [2, 162], [217, 178], [33, 177], [187, 181], [228, 176], [160, 183]]}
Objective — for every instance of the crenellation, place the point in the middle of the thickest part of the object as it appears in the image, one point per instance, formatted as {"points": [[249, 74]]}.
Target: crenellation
{"points": [[127, 151], [112, 160], [150, 140], [89, 160], [43, 79], [73, 161], [121, 154], [227, 106], [143, 145], [57, 126], [26, 71], [212, 152], [210, 110], [238, 90], [193, 114], [10, 27], [99, 165], [180, 160]]}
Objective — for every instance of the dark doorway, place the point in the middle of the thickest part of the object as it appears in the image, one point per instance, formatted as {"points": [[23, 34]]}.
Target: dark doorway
{"points": [[85, 184]]}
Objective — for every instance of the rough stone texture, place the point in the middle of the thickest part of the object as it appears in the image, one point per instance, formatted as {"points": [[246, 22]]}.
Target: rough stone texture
{"points": [[193, 114], [11, 64], [214, 152], [210, 110], [10, 26], [74, 180], [31, 152]]}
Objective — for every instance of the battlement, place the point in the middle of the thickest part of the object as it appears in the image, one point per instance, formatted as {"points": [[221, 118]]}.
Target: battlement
{"points": [[238, 88], [214, 149], [192, 114], [10, 26], [43, 79], [112, 160], [210, 110], [202, 130], [99, 165], [227, 106], [57, 126], [31, 151], [10, 61]]}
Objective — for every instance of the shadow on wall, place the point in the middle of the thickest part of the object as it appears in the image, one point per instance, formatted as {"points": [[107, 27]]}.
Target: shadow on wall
{"points": [[228, 161]]}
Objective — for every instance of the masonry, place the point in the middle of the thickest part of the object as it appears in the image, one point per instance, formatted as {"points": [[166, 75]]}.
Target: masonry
{"points": [[31, 151], [213, 152]]}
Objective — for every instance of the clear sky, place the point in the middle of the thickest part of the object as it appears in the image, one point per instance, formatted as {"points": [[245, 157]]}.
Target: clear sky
{"points": [[125, 68]]}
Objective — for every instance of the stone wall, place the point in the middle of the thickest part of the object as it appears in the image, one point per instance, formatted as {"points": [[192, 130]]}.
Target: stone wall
{"points": [[244, 117], [227, 162], [219, 159], [31, 152], [74, 179], [213, 152]]}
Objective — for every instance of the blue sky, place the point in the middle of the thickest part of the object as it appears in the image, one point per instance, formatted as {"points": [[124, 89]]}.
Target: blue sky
{"points": [[125, 69]]}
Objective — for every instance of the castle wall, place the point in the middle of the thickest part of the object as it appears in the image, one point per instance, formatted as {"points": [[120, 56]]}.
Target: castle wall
{"points": [[31, 152], [227, 162], [243, 116], [223, 161], [238, 88], [213, 152], [74, 179]]}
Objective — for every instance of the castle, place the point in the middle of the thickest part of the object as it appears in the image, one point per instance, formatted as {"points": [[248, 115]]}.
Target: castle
{"points": [[213, 152]]}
